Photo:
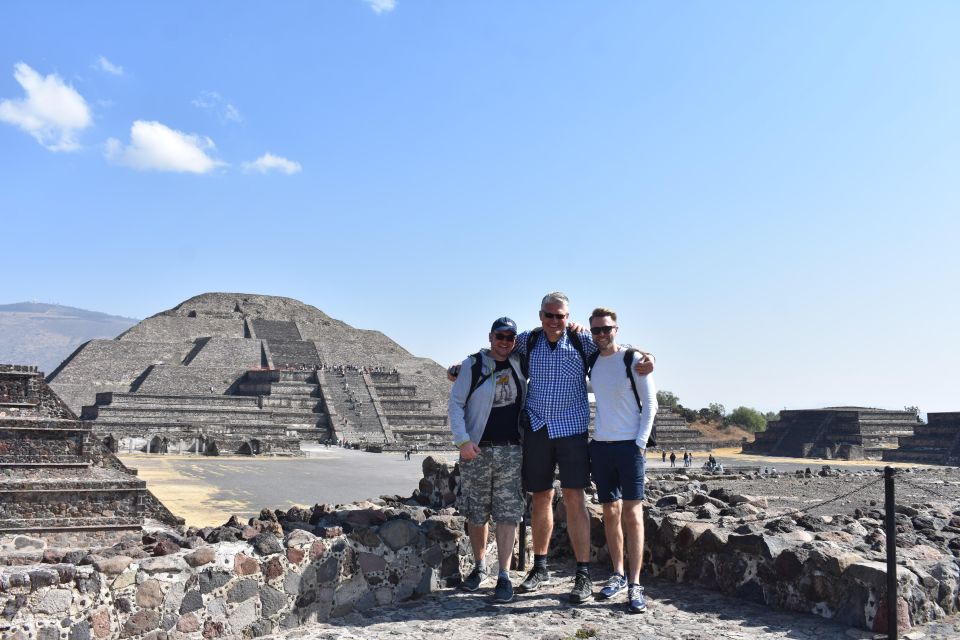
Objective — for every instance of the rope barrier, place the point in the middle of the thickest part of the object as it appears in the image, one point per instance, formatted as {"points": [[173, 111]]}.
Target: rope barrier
{"points": [[923, 488], [787, 514]]}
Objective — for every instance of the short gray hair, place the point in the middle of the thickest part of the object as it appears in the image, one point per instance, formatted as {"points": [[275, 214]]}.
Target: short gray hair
{"points": [[556, 297]]}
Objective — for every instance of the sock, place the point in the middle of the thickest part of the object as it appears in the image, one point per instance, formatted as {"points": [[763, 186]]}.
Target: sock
{"points": [[583, 567], [540, 562], [504, 574], [482, 565]]}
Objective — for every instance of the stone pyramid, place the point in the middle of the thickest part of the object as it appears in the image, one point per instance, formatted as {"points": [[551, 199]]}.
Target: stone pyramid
{"points": [[252, 374]]}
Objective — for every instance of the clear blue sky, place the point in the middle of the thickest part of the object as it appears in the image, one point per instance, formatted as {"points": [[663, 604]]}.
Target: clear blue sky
{"points": [[767, 192]]}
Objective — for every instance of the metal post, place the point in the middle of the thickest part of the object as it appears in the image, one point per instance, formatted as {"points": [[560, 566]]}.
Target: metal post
{"points": [[522, 542], [890, 526]]}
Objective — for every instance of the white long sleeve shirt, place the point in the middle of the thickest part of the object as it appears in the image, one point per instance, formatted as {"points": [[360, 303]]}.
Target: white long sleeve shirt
{"points": [[618, 416]]}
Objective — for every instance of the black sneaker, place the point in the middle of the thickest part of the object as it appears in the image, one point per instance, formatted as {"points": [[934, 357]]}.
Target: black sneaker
{"points": [[582, 588], [473, 581], [537, 578], [503, 592], [637, 603]]}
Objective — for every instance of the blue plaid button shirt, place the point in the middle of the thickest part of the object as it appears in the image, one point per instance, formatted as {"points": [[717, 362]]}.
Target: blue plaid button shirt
{"points": [[557, 391]]}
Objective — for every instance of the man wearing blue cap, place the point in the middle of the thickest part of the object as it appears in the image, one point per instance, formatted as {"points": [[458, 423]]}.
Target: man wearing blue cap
{"points": [[484, 413]]}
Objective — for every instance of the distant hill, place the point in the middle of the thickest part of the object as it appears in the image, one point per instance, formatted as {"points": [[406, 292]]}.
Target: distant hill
{"points": [[44, 334]]}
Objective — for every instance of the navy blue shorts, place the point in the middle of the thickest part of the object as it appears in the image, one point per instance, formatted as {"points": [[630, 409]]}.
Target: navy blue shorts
{"points": [[617, 469]]}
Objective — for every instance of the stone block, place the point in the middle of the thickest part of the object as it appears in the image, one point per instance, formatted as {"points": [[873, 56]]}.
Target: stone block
{"points": [[243, 616], [100, 623], [272, 568], [174, 596], [298, 538], [271, 601], [141, 622], [48, 633], [295, 555], [124, 580], [149, 594], [261, 628], [212, 579], [192, 601], [188, 623], [397, 534], [317, 549], [291, 583], [80, 631], [165, 564], [266, 544], [200, 557], [242, 590], [371, 562], [244, 565], [212, 629], [217, 609], [54, 601]]}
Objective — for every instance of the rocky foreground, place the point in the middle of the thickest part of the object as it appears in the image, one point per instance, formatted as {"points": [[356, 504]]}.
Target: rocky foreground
{"points": [[728, 556]]}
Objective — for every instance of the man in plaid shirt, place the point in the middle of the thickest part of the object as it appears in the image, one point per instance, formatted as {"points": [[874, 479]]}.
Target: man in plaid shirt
{"points": [[559, 414]]}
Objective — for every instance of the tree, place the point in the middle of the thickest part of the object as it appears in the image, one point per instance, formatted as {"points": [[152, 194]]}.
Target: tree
{"points": [[749, 419], [718, 410], [667, 399], [771, 416], [915, 411]]}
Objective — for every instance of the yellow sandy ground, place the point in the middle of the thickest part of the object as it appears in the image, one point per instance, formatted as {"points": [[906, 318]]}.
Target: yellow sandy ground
{"points": [[184, 494]]}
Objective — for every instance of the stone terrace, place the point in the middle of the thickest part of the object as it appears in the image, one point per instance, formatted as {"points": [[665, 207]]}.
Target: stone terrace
{"points": [[850, 433], [58, 481], [937, 442]]}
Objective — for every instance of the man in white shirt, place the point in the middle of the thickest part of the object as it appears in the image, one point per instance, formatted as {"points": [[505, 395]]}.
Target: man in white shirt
{"points": [[617, 452]]}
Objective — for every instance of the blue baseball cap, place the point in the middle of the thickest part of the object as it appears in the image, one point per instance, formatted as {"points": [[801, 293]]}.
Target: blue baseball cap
{"points": [[504, 324]]}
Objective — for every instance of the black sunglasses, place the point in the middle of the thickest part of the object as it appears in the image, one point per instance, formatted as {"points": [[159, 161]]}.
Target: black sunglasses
{"points": [[554, 316], [506, 337], [604, 330]]}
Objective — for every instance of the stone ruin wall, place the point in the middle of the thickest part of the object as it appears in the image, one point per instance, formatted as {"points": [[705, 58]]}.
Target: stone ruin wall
{"points": [[289, 568]]}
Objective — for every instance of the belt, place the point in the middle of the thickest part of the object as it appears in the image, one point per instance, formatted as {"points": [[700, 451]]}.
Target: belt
{"points": [[498, 443]]}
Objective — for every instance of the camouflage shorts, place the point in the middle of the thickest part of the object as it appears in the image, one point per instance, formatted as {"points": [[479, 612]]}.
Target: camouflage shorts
{"points": [[491, 486]]}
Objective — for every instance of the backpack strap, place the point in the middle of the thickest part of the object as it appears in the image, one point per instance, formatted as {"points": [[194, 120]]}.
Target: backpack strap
{"points": [[574, 338], [628, 365], [476, 375], [532, 338], [592, 361]]}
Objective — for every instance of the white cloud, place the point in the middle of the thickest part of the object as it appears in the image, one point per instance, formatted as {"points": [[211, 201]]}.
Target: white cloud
{"points": [[156, 147], [216, 103], [108, 67], [269, 162], [52, 112], [231, 113], [381, 6]]}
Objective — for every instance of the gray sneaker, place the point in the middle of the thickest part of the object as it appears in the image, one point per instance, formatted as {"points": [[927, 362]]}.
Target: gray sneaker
{"points": [[535, 579], [615, 584], [582, 588], [637, 603], [503, 592], [476, 578]]}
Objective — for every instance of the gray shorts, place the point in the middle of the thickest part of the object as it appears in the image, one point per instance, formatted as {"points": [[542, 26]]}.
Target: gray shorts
{"points": [[491, 487]]}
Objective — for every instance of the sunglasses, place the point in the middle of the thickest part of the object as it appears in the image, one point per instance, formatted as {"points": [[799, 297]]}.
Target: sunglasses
{"points": [[554, 316], [506, 337], [604, 330]]}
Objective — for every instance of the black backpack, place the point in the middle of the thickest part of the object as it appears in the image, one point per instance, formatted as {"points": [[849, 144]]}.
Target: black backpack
{"points": [[628, 365], [534, 335], [476, 375]]}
